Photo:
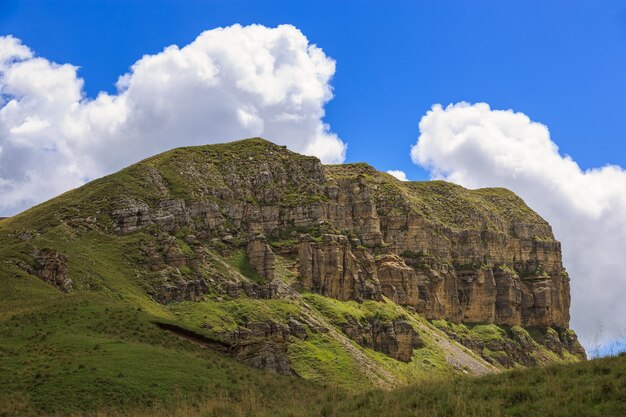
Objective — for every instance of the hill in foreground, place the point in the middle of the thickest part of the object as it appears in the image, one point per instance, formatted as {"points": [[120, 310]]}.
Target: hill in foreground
{"points": [[180, 276], [595, 388]]}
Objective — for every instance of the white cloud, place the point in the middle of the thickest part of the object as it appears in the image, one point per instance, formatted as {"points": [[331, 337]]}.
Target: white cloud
{"points": [[401, 175], [475, 146], [228, 84]]}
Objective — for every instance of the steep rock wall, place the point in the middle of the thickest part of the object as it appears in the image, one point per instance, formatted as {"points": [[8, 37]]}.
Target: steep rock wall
{"points": [[466, 256]]}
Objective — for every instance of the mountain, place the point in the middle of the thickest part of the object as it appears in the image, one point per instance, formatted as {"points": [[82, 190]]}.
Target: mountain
{"points": [[181, 274]]}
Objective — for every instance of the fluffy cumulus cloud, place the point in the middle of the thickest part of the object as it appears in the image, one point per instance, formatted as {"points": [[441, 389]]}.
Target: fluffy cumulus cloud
{"points": [[476, 146], [401, 175], [229, 83]]}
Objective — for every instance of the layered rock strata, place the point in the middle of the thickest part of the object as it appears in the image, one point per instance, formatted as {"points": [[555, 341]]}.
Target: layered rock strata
{"points": [[468, 256]]}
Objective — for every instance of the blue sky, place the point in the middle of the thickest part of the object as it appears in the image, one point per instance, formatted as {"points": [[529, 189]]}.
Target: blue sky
{"points": [[563, 66]]}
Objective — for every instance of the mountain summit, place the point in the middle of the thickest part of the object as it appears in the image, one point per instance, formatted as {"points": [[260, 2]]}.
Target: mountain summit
{"points": [[336, 273]]}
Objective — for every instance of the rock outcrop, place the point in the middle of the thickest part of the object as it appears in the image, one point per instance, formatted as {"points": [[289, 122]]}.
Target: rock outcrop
{"points": [[265, 354], [51, 266], [262, 345], [399, 282], [395, 338], [261, 257], [513, 346], [175, 287], [332, 268], [468, 256]]}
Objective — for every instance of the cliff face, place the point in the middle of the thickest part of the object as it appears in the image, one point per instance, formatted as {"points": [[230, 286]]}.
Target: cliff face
{"points": [[471, 256]]}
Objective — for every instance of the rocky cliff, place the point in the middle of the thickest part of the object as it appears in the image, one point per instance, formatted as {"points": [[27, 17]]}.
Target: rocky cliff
{"points": [[471, 256], [202, 233]]}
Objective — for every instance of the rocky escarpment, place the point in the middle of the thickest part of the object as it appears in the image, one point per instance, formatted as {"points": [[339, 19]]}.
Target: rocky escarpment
{"points": [[252, 219], [467, 256]]}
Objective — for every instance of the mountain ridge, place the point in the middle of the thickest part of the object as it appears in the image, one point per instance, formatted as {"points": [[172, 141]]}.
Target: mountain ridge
{"points": [[338, 274]]}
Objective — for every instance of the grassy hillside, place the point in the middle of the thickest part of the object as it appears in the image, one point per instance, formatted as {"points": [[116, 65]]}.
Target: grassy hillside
{"points": [[98, 346], [595, 388]]}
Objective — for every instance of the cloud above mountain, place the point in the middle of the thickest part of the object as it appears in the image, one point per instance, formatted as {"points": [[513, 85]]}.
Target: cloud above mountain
{"points": [[229, 83], [399, 174], [475, 146]]}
